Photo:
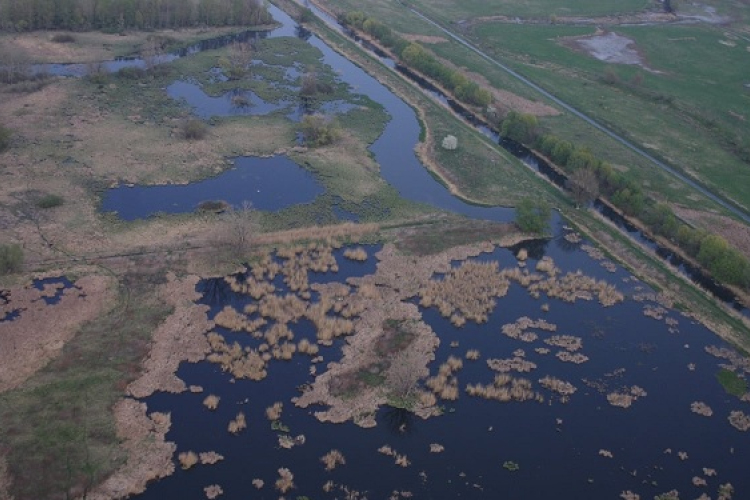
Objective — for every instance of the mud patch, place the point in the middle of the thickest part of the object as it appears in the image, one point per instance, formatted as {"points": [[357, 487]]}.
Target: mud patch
{"points": [[608, 47]]}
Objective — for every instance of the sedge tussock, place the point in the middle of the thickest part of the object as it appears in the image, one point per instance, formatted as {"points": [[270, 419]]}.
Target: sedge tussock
{"points": [[358, 254], [739, 420], [436, 448], [211, 402], [505, 389], [210, 457], [238, 424], [472, 354], [273, 413], [561, 387], [567, 357], [285, 482], [517, 364], [213, 491], [701, 408], [258, 483], [567, 342], [332, 459], [187, 459]]}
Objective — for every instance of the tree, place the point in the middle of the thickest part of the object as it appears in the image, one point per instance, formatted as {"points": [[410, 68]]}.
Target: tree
{"points": [[406, 369], [11, 259], [584, 186], [319, 130], [532, 215], [450, 142], [238, 61], [237, 230]]}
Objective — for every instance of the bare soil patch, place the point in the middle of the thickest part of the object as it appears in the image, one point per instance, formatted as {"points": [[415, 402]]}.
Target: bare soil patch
{"points": [[428, 39], [608, 47], [39, 333]]}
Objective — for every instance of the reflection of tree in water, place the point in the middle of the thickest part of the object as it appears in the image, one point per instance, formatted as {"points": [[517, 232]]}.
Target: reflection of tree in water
{"points": [[535, 248], [302, 32], [217, 292], [397, 420], [565, 245]]}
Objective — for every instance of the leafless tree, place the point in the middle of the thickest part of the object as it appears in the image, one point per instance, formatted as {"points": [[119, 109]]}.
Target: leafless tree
{"points": [[584, 186], [402, 379], [238, 229]]}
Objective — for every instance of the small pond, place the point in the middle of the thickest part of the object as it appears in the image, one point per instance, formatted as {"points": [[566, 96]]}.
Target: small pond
{"points": [[267, 183]]}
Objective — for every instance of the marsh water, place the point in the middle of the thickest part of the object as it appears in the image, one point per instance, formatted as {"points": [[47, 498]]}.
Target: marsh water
{"points": [[556, 445]]}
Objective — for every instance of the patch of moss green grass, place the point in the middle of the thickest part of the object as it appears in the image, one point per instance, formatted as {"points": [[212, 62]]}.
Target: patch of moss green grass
{"points": [[58, 428], [732, 383]]}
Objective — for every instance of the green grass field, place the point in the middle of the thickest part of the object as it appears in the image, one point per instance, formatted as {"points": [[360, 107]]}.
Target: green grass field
{"points": [[452, 10]]}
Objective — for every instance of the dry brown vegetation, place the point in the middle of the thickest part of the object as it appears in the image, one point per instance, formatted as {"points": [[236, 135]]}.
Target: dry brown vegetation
{"points": [[505, 389], [213, 491], [285, 482], [211, 402], [238, 424], [701, 408], [332, 459], [38, 335], [739, 420], [626, 397], [187, 459], [273, 412]]}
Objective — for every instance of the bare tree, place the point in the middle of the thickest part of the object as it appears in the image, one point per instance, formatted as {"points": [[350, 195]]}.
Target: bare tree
{"points": [[402, 379], [237, 229], [239, 59], [584, 186]]}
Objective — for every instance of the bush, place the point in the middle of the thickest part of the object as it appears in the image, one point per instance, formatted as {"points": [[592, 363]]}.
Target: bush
{"points": [[132, 73], [319, 130], [63, 38], [4, 138], [194, 129], [11, 258], [50, 201], [450, 142], [532, 215]]}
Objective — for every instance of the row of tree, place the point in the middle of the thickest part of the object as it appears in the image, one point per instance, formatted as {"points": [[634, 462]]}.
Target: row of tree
{"points": [[419, 58], [118, 15], [589, 176]]}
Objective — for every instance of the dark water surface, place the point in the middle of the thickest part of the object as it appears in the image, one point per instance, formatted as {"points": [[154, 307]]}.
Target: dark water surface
{"points": [[555, 444]]}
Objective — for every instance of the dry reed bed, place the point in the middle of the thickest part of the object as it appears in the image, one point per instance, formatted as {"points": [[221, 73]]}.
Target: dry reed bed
{"points": [[285, 482], [39, 333], [332, 459], [213, 491], [505, 389], [149, 454], [561, 387], [701, 408], [382, 296], [399, 459], [517, 329], [445, 384], [739, 420], [625, 398], [516, 363]]}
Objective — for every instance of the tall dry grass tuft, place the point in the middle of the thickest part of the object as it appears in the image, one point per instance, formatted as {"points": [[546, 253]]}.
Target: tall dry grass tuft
{"points": [[273, 413], [358, 254], [285, 482], [467, 292], [211, 402], [332, 459], [238, 424], [187, 459], [505, 389]]}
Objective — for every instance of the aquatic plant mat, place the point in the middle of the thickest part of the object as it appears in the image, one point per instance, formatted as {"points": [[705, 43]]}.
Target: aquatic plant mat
{"points": [[325, 361]]}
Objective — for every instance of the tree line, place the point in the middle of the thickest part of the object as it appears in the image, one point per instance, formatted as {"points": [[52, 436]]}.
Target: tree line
{"points": [[713, 252], [417, 57], [118, 15]]}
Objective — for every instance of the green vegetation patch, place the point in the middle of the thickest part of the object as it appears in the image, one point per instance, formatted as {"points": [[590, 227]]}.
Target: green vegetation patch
{"points": [[732, 383]]}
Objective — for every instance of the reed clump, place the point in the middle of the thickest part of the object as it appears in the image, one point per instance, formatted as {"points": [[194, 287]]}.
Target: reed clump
{"points": [[568, 357], [445, 384], [517, 329], [701, 408], [332, 459], [273, 412], [505, 389], [467, 292], [213, 491], [516, 363], [399, 459], [258, 483], [561, 387], [282, 309], [304, 346], [285, 482], [739, 420], [230, 319], [187, 459], [606, 453], [210, 457], [211, 402], [626, 397], [629, 495], [436, 448], [472, 354], [567, 342], [359, 254], [575, 286], [241, 363], [238, 424]]}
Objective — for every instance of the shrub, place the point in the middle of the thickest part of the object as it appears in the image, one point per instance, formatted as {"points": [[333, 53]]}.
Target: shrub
{"points": [[11, 258], [131, 73], [319, 130], [50, 201], [194, 129], [450, 142], [63, 38], [4, 138], [532, 215]]}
